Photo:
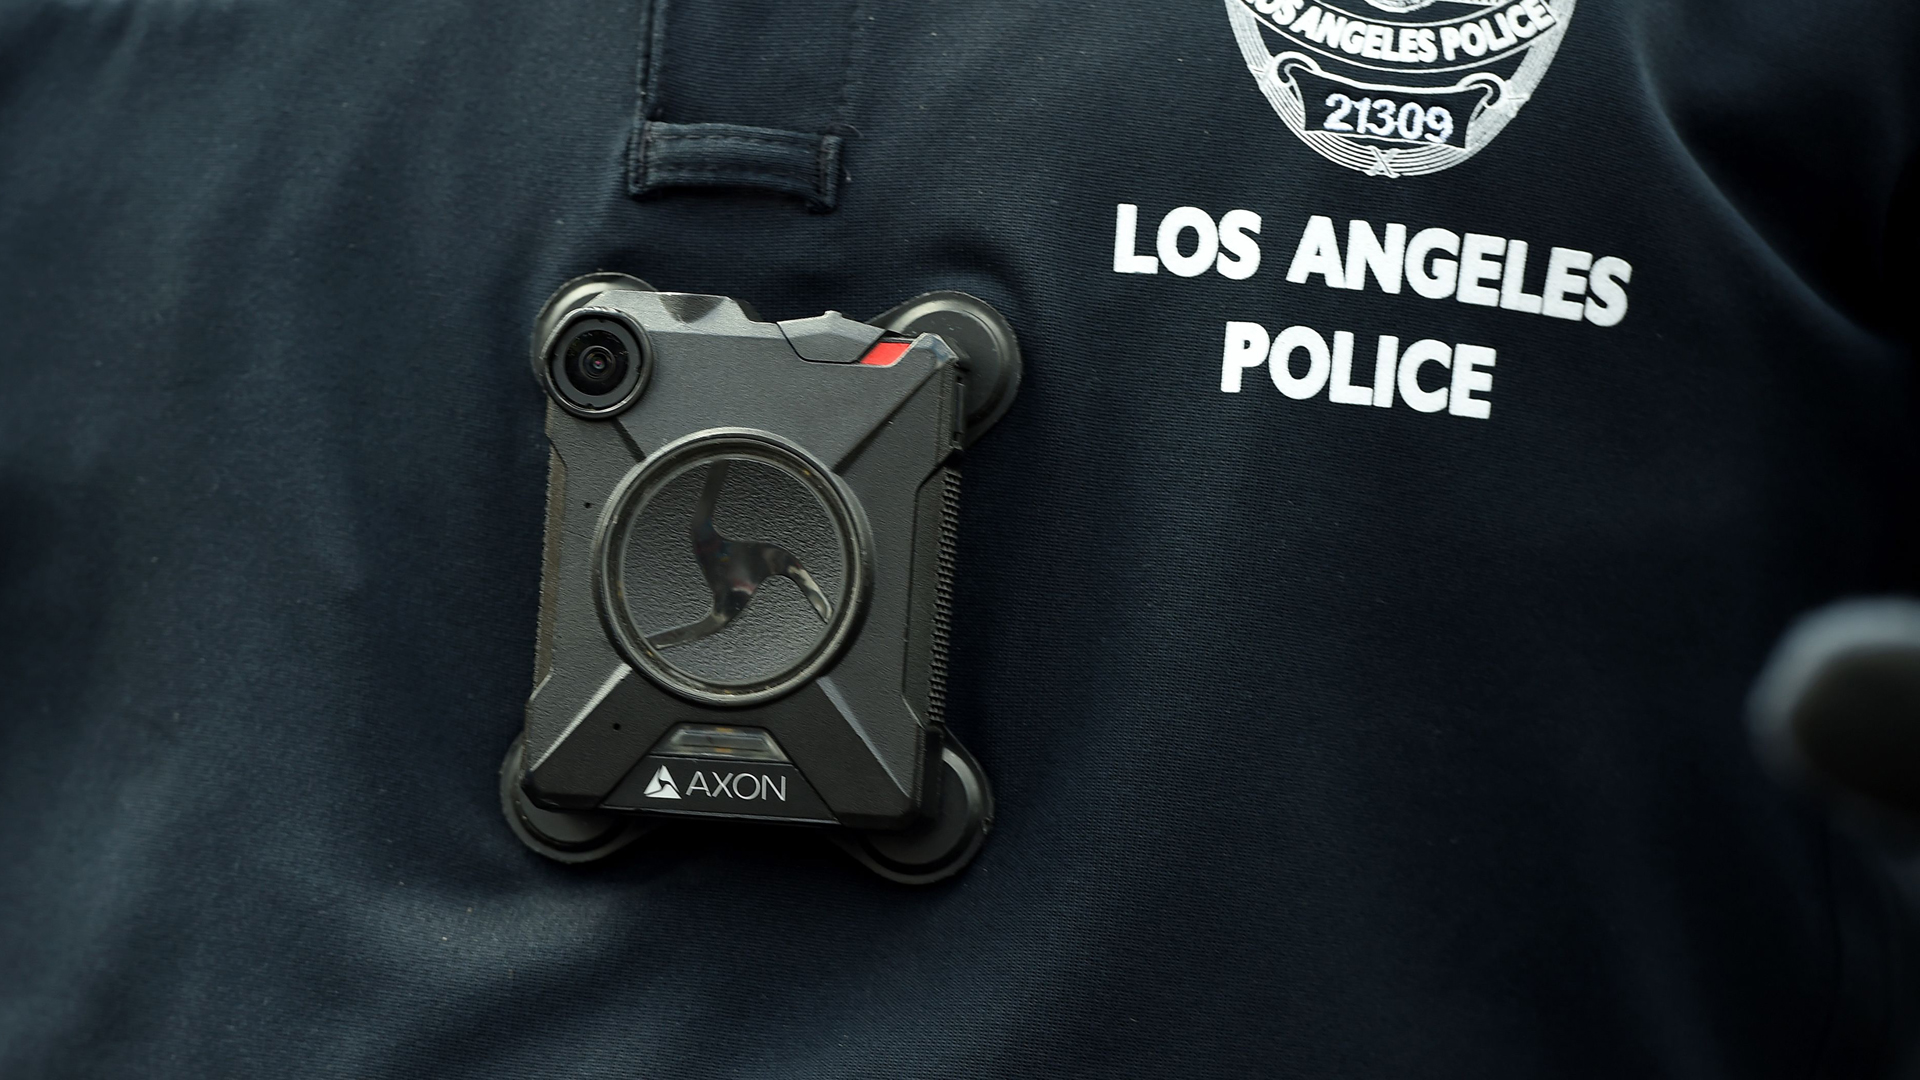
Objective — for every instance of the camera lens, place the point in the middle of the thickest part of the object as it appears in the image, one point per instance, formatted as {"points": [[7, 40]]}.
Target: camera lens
{"points": [[597, 366], [596, 363]]}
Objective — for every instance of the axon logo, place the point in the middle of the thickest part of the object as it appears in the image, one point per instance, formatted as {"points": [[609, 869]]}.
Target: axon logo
{"points": [[735, 570], [730, 568], [717, 785]]}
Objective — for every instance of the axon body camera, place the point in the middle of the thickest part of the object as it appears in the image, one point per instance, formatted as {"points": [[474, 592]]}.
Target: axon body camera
{"points": [[748, 568]]}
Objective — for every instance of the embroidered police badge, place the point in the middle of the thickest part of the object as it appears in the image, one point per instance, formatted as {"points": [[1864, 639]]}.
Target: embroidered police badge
{"points": [[1398, 87]]}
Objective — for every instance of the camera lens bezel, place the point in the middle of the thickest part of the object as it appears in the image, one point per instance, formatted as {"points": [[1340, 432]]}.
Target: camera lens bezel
{"points": [[585, 332]]}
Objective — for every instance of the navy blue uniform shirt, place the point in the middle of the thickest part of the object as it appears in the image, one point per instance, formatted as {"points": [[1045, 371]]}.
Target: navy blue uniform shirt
{"points": [[1434, 410]]}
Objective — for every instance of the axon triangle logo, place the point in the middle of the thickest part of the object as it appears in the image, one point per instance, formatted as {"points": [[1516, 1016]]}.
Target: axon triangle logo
{"points": [[1398, 87], [661, 786]]}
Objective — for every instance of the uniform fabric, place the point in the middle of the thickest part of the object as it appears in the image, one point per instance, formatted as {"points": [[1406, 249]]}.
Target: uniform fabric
{"points": [[1328, 740]]}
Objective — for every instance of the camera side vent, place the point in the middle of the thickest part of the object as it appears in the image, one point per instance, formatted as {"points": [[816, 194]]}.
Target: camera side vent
{"points": [[550, 566], [943, 595]]}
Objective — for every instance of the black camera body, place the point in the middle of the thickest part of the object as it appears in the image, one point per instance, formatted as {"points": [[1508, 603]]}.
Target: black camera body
{"points": [[748, 573]]}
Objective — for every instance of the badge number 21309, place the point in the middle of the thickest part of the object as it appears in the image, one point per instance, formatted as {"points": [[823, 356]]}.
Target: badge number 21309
{"points": [[1384, 118]]}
